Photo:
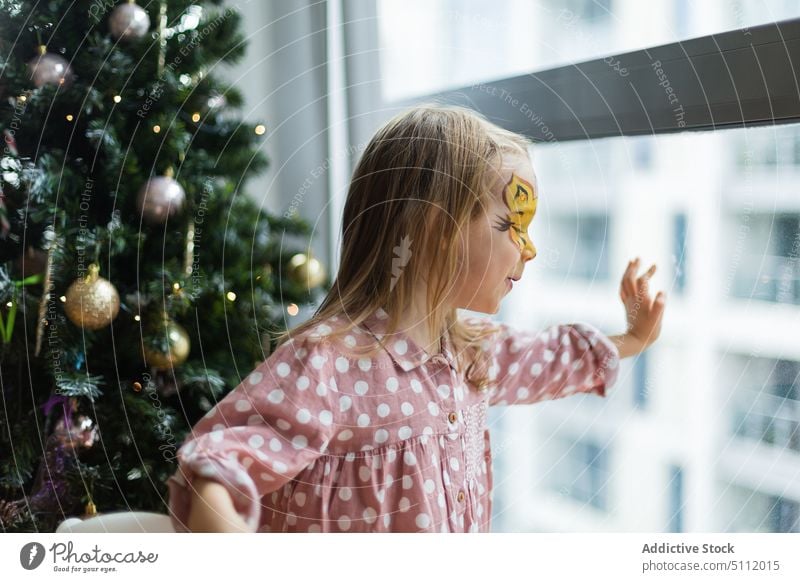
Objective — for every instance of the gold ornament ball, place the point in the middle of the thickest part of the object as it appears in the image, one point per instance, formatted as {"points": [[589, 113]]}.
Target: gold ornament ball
{"points": [[92, 302], [306, 270], [177, 352]]}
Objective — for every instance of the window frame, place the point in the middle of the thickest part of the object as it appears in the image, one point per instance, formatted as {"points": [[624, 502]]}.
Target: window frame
{"points": [[739, 78]]}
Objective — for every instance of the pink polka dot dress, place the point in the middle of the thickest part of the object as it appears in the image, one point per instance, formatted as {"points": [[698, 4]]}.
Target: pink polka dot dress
{"points": [[313, 441]]}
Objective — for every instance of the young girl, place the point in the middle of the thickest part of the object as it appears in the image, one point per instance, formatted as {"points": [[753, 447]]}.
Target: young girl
{"points": [[371, 416]]}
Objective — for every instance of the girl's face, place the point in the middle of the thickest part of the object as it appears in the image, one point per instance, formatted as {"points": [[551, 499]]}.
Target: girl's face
{"points": [[497, 241]]}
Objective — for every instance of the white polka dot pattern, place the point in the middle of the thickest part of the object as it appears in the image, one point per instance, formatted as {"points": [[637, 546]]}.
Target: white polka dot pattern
{"points": [[319, 440]]}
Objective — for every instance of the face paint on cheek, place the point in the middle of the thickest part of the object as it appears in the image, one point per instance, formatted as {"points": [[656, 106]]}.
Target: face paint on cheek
{"points": [[521, 200]]}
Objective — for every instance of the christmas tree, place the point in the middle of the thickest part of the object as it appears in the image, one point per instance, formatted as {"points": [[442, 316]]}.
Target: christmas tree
{"points": [[138, 282]]}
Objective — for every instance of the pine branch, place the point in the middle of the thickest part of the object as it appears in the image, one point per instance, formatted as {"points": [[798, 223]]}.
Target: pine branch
{"points": [[80, 384], [195, 376]]}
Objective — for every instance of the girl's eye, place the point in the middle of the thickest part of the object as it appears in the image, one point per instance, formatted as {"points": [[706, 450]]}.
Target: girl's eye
{"points": [[504, 225]]}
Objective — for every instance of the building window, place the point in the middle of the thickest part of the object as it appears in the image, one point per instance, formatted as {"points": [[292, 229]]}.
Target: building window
{"points": [[682, 17], [591, 11], [577, 247], [680, 250], [787, 264], [784, 516], [640, 386], [675, 523], [643, 153], [581, 472], [770, 411], [769, 247], [763, 151], [758, 512]]}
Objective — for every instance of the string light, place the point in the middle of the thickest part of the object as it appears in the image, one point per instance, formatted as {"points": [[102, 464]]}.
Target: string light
{"points": [[231, 296], [260, 129], [117, 98], [176, 287], [137, 318], [8, 304], [23, 98], [69, 117], [292, 309], [195, 117], [156, 128], [63, 299]]}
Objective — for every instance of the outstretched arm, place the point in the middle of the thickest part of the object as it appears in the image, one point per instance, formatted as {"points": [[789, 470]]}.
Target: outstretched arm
{"points": [[644, 313], [212, 509]]}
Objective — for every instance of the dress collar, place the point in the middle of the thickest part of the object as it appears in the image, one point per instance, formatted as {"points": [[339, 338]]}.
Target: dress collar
{"points": [[404, 351]]}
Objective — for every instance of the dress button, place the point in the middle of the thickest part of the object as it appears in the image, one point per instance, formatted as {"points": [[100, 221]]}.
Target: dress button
{"points": [[452, 417], [460, 496]]}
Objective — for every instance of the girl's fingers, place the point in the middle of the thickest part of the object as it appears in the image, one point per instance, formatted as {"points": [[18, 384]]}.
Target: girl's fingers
{"points": [[627, 279], [623, 285], [649, 273], [657, 307], [632, 285], [632, 277], [642, 283]]}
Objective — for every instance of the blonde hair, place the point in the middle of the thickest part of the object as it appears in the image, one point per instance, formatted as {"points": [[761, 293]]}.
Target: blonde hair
{"points": [[423, 176]]}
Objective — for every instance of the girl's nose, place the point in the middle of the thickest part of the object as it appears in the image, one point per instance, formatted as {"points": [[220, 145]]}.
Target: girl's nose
{"points": [[528, 252]]}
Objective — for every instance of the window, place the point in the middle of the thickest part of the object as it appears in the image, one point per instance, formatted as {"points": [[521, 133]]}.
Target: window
{"points": [[682, 18], [577, 247], [643, 153], [581, 473], [767, 152], [756, 512], [675, 500], [426, 47], [785, 516], [767, 402], [767, 261], [592, 11], [692, 180], [679, 257], [620, 177], [641, 387]]}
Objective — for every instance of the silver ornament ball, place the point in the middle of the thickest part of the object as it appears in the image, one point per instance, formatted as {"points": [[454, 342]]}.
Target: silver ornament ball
{"points": [[160, 198], [128, 22], [49, 69]]}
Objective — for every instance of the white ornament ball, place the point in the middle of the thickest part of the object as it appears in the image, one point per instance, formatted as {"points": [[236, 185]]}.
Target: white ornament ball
{"points": [[129, 22], [49, 69], [160, 198]]}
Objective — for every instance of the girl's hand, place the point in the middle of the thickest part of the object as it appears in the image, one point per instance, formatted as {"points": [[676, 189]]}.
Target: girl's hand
{"points": [[212, 509], [644, 313]]}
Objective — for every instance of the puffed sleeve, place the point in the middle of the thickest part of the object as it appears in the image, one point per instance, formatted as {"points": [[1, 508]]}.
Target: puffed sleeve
{"points": [[260, 436], [527, 367]]}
